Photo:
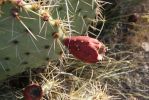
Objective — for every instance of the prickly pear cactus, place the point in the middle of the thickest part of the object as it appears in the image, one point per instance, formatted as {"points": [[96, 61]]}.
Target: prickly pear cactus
{"points": [[31, 31]]}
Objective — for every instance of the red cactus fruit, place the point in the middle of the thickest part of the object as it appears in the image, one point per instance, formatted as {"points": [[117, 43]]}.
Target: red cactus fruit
{"points": [[133, 18], [33, 92], [85, 48]]}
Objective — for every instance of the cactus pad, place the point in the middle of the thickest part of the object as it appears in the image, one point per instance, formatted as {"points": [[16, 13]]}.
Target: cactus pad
{"points": [[27, 28]]}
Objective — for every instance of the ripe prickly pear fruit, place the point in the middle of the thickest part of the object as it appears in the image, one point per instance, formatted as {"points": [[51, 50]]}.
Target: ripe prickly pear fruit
{"points": [[33, 92], [85, 48], [133, 18]]}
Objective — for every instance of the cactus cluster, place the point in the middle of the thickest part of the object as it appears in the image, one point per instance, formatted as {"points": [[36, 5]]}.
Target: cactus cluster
{"points": [[32, 31]]}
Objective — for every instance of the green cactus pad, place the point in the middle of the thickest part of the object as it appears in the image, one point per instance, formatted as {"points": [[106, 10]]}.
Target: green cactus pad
{"points": [[19, 50]]}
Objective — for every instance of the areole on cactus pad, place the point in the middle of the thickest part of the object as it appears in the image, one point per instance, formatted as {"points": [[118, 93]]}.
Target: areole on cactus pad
{"points": [[85, 48]]}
